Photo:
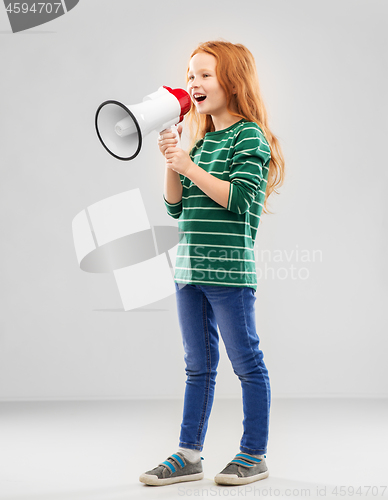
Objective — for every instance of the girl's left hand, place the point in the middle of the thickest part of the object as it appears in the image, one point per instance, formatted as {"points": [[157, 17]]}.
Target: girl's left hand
{"points": [[178, 160]]}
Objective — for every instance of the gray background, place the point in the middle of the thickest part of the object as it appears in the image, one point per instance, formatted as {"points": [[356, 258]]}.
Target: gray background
{"points": [[323, 73]]}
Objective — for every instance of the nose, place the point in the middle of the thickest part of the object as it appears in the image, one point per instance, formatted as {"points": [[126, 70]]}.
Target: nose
{"points": [[192, 84]]}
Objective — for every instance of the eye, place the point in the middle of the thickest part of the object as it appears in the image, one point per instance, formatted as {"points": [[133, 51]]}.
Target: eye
{"points": [[190, 77], [205, 75]]}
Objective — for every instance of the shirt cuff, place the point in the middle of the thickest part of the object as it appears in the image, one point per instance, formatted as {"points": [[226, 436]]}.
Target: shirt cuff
{"points": [[173, 209]]}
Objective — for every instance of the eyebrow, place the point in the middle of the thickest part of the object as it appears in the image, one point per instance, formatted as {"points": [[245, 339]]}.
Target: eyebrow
{"points": [[201, 70]]}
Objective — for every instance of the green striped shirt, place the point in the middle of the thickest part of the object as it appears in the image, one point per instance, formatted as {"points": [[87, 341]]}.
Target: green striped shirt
{"points": [[216, 243]]}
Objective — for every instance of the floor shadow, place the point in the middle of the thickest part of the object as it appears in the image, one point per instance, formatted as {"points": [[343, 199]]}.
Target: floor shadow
{"points": [[108, 493], [27, 32], [140, 309]]}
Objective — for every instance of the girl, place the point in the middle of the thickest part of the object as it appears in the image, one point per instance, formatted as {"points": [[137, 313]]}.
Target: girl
{"points": [[218, 192]]}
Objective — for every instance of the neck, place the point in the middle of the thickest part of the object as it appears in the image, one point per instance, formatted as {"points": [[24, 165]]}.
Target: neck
{"points": [[224, 121]]}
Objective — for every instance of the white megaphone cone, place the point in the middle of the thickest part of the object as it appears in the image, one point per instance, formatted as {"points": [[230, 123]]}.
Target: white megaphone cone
{"points": [[121, 128]]}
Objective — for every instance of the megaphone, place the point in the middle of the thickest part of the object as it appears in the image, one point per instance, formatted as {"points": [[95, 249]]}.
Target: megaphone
{"points": [[121, 128]]}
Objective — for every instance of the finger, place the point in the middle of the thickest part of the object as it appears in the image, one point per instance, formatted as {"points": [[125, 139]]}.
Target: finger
{"points": [[166, 135], [168, 153], [168, 142]]}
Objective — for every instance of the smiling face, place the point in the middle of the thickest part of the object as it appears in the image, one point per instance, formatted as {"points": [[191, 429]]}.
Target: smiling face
{"points": [[204, 88]]}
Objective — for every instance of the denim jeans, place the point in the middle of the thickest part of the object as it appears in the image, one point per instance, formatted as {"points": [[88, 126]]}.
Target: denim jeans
{"points": [[200, 309]]}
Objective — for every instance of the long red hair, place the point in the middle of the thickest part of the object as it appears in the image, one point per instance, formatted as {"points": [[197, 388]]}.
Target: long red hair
{"points": [[237, 74]]}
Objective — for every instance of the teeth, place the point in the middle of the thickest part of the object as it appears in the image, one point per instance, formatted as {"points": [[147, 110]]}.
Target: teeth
{"points": [[199, 97]]}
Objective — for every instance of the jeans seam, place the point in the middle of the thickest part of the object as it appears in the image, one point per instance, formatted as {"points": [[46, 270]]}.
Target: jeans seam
{"points": [[182, 443], [208, 362], [251, 451], [254, 357]]}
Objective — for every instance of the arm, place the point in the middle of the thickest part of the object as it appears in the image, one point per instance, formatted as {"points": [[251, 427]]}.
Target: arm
{"points": [[172, 183], [178, 160], [248, 169], [216, 189], [172, 187], [251, 156]]}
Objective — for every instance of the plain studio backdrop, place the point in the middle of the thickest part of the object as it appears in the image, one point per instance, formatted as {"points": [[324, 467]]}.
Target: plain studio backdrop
{"points": [[321, 255]]}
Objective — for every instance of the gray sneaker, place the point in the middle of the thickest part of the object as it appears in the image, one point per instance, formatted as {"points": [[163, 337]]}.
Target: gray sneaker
{"points": [[243, 469], [175, 469]]}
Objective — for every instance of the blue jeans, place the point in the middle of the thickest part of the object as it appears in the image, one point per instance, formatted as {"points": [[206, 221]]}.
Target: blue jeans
{"points": [[200, 309]]}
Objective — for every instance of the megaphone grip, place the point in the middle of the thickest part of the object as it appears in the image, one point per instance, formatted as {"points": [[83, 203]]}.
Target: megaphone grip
{"points": [[174, 130]]}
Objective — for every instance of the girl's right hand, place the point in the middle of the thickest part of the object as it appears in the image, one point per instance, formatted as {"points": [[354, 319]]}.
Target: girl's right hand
{"points": [[168, 138]]}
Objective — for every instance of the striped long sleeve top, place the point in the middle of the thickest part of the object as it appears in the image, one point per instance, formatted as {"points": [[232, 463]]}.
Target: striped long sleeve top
{"points": [[216, 244]]}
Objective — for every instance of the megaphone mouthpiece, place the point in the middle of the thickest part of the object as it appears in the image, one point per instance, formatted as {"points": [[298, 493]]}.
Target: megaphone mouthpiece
{"points": [[183, 98], [125, 127]]}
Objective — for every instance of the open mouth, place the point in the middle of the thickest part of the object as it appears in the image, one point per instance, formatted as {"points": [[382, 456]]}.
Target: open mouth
{"points": [[199, 97]]}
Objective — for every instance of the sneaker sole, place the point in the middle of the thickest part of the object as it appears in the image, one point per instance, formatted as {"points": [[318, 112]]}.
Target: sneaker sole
{"points": [[235, 480], [153, 480]]}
